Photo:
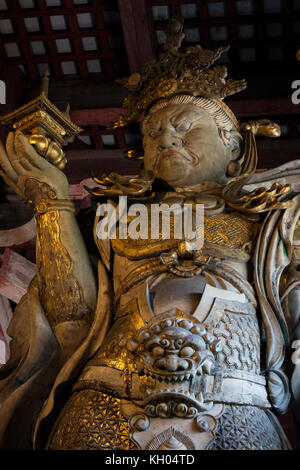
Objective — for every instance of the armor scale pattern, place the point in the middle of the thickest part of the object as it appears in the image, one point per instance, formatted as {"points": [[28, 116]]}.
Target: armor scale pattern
{"points": [[91, 420], [240, 338], [245, 428]]}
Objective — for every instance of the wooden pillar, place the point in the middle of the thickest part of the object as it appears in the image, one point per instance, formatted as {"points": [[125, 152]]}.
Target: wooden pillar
{"points": [[137, 33]]}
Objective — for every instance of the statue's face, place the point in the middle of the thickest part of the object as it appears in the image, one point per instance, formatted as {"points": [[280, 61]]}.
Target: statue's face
{"points": [[182, 146]]}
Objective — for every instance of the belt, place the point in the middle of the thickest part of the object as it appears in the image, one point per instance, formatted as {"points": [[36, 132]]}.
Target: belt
{"points": [[227, 386], [235, 387]]}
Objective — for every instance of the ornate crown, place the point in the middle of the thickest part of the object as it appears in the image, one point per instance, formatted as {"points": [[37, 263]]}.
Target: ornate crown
{"points": [[176, 73]]}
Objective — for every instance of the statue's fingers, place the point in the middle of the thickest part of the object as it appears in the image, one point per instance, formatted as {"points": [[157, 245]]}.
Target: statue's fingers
{"points": [[27, 165], [26, 151], [6, 165], [13, 157], [11, 183], [18, 167], [18, 164], [10, 148], [17, 158]]}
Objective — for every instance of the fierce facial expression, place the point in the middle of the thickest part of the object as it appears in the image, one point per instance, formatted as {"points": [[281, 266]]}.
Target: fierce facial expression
{"points": [[182, 146]]}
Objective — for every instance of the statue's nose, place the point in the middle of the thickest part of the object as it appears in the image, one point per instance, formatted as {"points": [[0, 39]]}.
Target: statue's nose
{"points": [[169, 140]]}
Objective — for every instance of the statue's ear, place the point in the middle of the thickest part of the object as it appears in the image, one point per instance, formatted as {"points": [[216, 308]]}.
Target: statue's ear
{"points": [[234, 168]]}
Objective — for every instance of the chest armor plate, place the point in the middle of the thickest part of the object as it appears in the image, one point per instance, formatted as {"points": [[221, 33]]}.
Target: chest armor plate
{"points": [[228, 235]]}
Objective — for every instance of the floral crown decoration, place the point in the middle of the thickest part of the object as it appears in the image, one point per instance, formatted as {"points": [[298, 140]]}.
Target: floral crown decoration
{"points": [[178, 73]]}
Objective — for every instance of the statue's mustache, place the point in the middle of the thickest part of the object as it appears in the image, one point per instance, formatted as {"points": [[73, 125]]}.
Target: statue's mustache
{"points": [[189, 155]]}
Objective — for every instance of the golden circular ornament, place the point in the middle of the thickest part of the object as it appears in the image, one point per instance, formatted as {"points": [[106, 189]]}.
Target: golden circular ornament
{"points": [[167, 87]]}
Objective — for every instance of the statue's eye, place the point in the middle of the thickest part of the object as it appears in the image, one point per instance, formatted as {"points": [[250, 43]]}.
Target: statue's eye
{"points": [[183, 126], [153, 134]]}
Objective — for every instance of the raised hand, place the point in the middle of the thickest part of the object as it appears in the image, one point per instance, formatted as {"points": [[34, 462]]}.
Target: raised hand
{"points": [[23, 169]]}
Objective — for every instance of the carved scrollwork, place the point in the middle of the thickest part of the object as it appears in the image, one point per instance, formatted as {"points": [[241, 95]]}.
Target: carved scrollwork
{"points": [[177, 73], [175, 263], [37, 191], [161, 433]]}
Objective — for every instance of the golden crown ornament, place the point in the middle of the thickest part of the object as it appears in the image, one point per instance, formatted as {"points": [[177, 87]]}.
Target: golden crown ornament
{"points": [[177, 73]]}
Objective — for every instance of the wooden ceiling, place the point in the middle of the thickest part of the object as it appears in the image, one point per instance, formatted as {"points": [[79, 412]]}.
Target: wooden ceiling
{"points": [[87, 44], [70, 38]]}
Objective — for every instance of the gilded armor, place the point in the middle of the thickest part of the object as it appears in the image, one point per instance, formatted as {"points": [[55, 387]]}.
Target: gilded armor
{"points": [[163, 364]]}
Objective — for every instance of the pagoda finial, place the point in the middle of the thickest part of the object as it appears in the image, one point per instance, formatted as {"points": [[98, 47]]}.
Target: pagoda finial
{"points": [[45, 83]]}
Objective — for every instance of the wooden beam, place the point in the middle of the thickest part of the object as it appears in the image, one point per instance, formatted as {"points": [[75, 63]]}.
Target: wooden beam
{"points": [[275, 152], [242, 108], [137, 33], [28, 13], [88, 163], [46, 36], [271, 107], [102, 116], [72, 56]]}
